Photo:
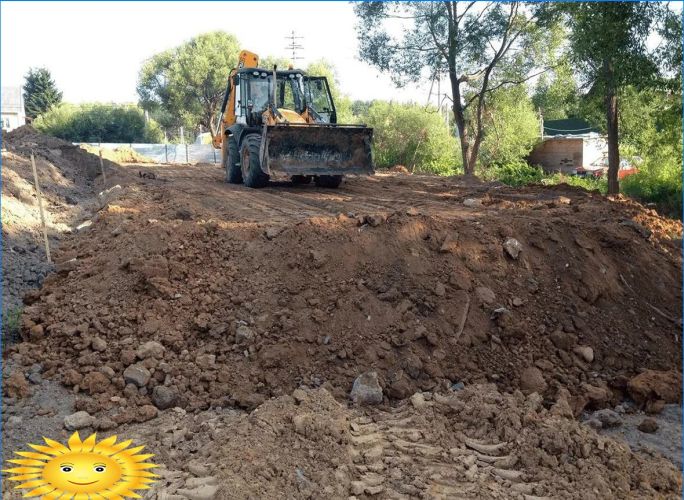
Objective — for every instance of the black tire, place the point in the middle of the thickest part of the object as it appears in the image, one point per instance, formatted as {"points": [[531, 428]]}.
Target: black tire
{"points": [[231, 160], [328, 181], [301, 179], [252, 175]]}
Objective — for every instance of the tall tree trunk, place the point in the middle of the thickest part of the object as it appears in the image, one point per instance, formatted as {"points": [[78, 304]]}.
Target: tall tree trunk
{"points": [[461, 125], [612, 125]]}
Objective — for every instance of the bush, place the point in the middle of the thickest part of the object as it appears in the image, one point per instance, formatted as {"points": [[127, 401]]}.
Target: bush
{"points": [[511, 128], [515, 173], [589, 183], [664, 188], [412, 136], [98, 123]]}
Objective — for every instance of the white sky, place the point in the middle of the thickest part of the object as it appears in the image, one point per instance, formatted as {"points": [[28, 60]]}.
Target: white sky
{"points": [[95, 49]]}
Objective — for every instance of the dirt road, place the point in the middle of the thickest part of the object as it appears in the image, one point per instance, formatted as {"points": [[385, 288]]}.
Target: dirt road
{"points": [[225, 328]]}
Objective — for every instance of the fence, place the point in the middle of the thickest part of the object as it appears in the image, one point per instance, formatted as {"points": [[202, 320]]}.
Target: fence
{"points": [[170, 153]]}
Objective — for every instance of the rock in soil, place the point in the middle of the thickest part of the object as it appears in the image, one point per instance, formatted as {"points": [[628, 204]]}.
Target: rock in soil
{"points": [[366, 389]]}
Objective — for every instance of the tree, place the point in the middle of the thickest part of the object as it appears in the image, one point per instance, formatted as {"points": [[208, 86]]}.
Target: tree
{"points": [[185, 85], [556, 94], [511, 125], [481, 46], [608, 47], [40, 92], [98, 123], [412, 136]]}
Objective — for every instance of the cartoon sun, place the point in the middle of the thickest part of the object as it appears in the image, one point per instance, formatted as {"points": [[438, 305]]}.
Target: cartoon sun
{"points": [[85, 470]]}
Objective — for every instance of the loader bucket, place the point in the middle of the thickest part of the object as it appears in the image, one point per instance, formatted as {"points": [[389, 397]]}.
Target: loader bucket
{"points": [[320, 149]]}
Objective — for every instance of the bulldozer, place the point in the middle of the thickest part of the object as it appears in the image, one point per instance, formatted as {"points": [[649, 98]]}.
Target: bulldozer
{"points": [[275, 122]]}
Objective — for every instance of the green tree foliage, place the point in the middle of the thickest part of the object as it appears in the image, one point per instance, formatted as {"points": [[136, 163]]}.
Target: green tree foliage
{"points": [[98, 123], [40, 92], [556, 94], [412, 136], [609, 49], [511, 127], [185, 85], [481, 46]]}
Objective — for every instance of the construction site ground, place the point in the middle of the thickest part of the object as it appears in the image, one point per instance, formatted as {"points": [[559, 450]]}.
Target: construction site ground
{"points": [[512, 339]]}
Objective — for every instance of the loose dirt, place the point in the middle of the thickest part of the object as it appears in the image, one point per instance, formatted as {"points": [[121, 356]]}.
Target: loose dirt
{"points": [[542, 302]]}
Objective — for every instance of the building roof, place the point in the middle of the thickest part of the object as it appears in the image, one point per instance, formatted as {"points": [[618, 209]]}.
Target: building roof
{"points": [[12, 100], [568, 127]]}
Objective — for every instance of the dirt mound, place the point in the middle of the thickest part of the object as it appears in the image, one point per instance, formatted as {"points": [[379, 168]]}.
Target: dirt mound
{"points": [[540, 288], [122, 154], [68, 178]]}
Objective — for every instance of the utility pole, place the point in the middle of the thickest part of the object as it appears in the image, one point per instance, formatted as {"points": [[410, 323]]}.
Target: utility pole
{"points": [[294, 46]]}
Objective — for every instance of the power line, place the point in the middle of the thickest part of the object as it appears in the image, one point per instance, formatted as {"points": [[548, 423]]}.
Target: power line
{"points": [[294, 46]]}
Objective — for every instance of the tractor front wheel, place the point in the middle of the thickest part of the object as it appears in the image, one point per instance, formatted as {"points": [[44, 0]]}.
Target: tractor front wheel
{"points": [[231, 160], [252, 175]]}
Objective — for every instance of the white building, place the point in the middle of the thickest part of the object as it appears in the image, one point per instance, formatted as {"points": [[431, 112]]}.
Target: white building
{"points": [[12, 109]]}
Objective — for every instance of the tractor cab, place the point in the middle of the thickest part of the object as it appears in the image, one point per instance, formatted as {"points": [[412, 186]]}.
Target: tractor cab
{"points": [[298, 98]]}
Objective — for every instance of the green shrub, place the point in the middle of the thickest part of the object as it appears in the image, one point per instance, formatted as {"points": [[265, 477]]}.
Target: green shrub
{"points": [[98, 123], [664, 188], [515, 173], [11, 322], [511, 127], [412, 136], [589, 183]]}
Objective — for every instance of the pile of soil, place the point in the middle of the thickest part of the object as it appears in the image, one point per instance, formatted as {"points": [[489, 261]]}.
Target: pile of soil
{"points": [[68, 179], [539, 289], [122, 154]]}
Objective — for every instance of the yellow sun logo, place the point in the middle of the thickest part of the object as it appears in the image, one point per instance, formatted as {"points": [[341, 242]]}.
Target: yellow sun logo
{"points": [[85, 470]]}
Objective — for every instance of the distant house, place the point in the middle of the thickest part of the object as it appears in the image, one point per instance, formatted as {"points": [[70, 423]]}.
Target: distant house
{"points": [[570, 146], [12, 110]]}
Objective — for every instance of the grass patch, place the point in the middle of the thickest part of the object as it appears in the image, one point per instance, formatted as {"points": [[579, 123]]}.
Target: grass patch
{"points": [[11, 325]]}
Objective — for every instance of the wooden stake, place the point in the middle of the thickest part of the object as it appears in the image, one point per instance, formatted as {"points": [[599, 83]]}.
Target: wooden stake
{"points": [[40, 207], [104, 176]]}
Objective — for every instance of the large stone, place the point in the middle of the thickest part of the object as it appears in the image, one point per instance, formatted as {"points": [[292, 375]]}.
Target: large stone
{"points": [[513, 247], [648, 425], [596, 396], [78, 420], [532, 380], [150, 349], [164, 397], [244, 335], [98, 344], [652, 385], [608, 418], [366, 389], [584, 352], [486, 295], [563, 340], [137, 374]]}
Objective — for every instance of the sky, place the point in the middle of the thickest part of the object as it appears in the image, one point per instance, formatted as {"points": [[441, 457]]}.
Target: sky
{"points": [[95, 49]]}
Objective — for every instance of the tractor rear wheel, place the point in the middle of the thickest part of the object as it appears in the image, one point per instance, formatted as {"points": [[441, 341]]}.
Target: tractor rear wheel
{"points": [[252, 175], [231, 160], [328, 181]]}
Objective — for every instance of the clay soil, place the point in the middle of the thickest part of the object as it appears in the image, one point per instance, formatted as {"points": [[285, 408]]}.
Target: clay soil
{"points": [[255, 310]]}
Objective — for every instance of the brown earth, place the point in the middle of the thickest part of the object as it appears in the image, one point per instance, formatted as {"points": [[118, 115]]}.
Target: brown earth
{"points": [[67, 175], [185, 291], [379, 275]]}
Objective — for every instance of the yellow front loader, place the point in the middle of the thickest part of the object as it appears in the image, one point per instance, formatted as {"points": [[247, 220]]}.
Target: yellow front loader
{"points": [[285, 121]]}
